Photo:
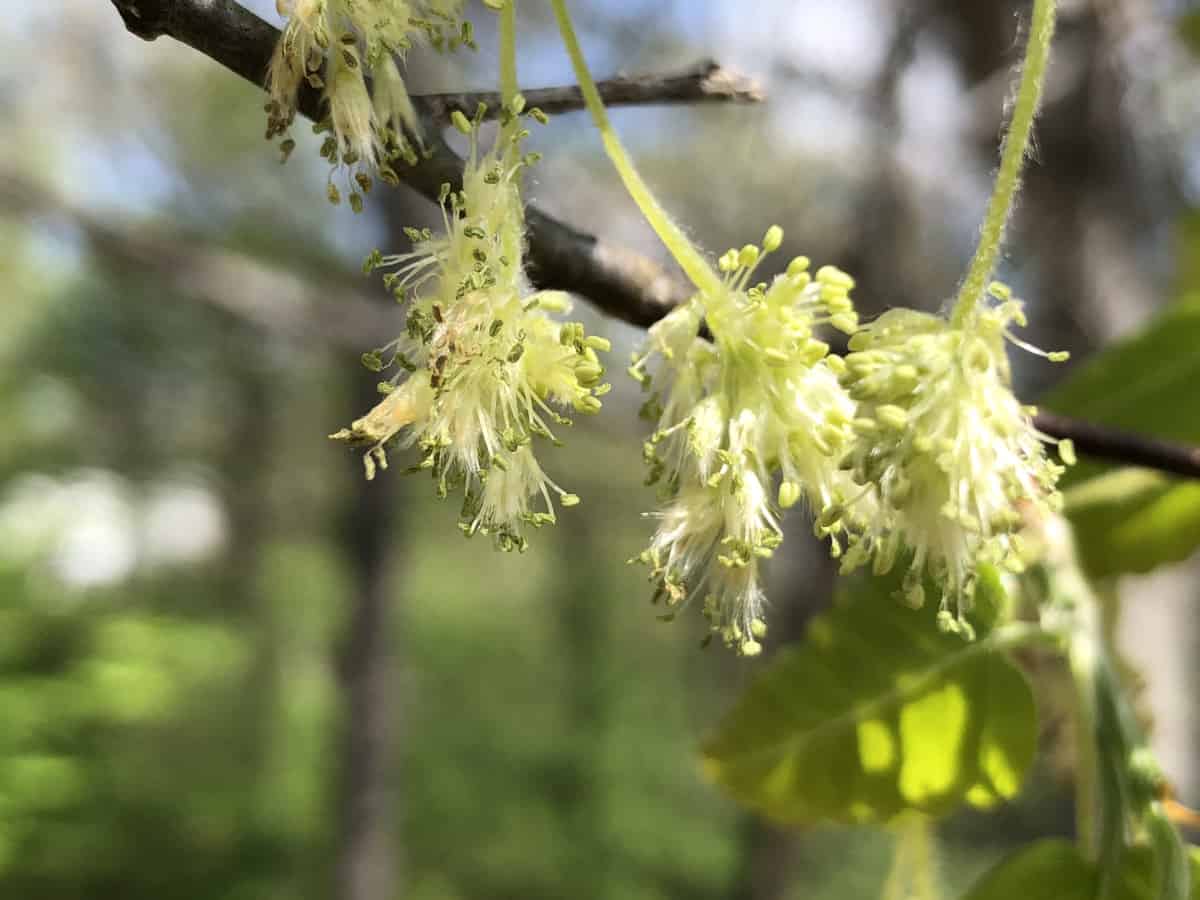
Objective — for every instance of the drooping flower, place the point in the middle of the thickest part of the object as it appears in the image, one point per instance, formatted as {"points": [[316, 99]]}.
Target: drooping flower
{"points": [[757, 401], [943, 449], [336, 46], [711, 538], [483, 368]]}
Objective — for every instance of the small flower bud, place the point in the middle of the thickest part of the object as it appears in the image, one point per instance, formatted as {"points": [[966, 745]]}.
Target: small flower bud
{"points": [[893, 417], [750, 648], [789, 494], [773, 239], [588, 404], [601, 344], [798, 266]]}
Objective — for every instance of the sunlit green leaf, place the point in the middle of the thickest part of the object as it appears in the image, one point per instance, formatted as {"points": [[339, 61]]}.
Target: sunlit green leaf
{"points": [[877, 711], [1132, 521]]}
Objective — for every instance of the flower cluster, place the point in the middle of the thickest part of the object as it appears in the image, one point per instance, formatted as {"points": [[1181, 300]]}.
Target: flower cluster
{"points": [[335, 46], [482, 369], [911, 446], [761, 399], [946, 455], [910, 449]]}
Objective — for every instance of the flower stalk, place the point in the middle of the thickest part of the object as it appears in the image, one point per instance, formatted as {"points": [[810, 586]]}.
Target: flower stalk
{"points": [[1012, 160], [690, 259], [484, 368], [508, 53]]}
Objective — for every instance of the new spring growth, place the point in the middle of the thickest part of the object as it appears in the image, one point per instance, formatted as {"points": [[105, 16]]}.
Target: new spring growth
{"points": [[947, 458], [337, 47], [485, 369], [758, 403], [761, 400], [945, 455]]}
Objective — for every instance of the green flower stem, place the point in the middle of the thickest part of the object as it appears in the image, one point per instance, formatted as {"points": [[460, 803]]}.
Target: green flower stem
{"points": [[1117, 777], [689, 258], [508, 52], [913, 875], [1100, 785], [1012, 159], [1101, 792]]}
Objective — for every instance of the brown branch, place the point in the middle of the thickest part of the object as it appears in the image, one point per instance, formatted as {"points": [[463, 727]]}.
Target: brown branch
{"points": [[621, 283], [705, 82], [1115, 445]]}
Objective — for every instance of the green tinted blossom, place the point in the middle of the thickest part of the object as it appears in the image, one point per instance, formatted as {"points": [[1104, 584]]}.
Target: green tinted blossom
{"points": [[944, 452], [757, 402], [708, 544], [482, 369], [335, 46]]}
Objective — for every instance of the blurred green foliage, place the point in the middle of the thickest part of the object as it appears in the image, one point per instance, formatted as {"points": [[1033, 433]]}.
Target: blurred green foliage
{"points": [[1126, 520], [174, 733]]}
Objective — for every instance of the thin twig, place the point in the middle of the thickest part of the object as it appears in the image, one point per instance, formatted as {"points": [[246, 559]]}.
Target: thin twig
{"points": [[623, 284], [1115, 445], [619, 282], [705, 82]]}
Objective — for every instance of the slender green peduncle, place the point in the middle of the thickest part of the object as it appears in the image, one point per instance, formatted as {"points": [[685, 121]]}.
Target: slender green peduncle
{"points": [[913, 875], [1012, 159], [690, 259], [508, 52]]}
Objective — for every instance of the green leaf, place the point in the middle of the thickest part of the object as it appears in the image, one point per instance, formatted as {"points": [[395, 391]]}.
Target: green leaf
{"points": [[1133, 520], [1047, 870], [876, 712], [1056, 870]]}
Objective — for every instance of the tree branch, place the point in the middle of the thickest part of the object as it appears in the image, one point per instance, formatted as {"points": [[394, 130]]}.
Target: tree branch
{"points": [[620, 282], [705, 82], [1115, 445]]}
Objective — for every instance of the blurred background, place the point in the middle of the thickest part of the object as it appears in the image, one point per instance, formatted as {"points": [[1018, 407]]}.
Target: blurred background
{"points": [[230, 668]]}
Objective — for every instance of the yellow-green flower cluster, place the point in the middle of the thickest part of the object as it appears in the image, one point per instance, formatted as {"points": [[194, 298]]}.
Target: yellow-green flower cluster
{"points": [[482, 368], [911, 449], [335, 46], [914, 443], [760, 400], [945, 455]]}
